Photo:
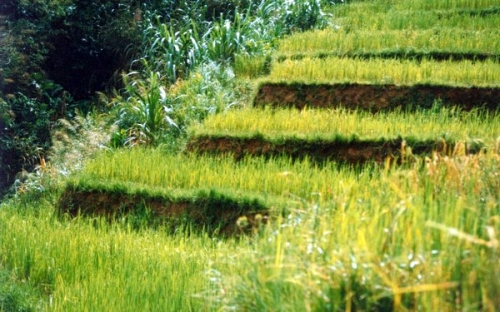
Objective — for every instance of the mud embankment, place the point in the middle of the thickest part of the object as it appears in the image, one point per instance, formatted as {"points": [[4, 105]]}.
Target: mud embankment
{"points": [[207, 211], [342, 151], [375, 97]]}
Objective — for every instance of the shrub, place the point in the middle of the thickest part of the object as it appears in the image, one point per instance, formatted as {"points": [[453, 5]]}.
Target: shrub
{"points": [[146, 110]]}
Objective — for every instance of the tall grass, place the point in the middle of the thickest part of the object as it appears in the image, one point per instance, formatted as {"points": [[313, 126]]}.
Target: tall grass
{"points": [[388, 71], [426, 6], [444, 5], [362, 18], [424, 237], [345, 41], [310, 123], [84, 267], [418, 239]]}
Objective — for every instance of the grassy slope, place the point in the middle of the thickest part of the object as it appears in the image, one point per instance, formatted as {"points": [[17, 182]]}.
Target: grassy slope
{"points": [[426, 235], [421, 237]]}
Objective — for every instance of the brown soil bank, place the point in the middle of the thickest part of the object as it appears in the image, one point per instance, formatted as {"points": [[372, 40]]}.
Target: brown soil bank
{"points": [[208, 211], [374, 97], [342, 150]]}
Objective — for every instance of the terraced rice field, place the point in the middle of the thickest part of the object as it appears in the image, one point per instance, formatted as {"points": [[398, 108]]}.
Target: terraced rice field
{"points": [[391, 54], [345, 136], [343, 80], [413, 225]]}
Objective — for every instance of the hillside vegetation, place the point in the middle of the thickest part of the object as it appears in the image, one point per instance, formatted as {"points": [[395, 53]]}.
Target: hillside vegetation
{"points": [[274, 156]]}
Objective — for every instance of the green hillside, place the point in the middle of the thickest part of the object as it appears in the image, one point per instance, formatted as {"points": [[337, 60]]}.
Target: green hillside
{"points": [[296, 156]]}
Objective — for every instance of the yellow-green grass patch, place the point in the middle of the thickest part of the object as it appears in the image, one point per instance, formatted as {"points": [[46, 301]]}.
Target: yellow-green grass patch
{"points": [[345, 136], [348, 18], [423, 236], [91, 265], [329, 123], [387, 71], [279, 178], [444, 4], [428, 5], [340, 42], [441, 220]]}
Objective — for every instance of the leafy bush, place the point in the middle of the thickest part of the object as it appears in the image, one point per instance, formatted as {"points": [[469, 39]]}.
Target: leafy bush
{"points": [[151, 112], [25, 135], [55, 52], [145, 110], [178, 38], [177, 47]]}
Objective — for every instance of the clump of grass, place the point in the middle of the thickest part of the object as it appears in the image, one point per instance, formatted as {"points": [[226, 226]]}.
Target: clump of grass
{"points": [[388, 71], [17, 295], [91, 265], [359, 17], [445, 5], [251, 66]]}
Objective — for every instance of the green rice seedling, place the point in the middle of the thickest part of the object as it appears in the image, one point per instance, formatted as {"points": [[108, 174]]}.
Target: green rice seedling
{"points": [[343, 41], [423, 125], [388, 71]]}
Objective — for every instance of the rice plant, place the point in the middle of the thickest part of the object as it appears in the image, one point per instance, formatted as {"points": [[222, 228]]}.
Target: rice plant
{"points": [[411, 239], [445, 5], [282, 178], [310, 123], [342, 41], [424, 237], [388, 71], [82, 265], [362, 18]]}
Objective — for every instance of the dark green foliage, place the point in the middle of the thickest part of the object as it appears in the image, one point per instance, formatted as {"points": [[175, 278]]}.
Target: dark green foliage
{"points": [[93, 41], [24, 136], [55, 52]]}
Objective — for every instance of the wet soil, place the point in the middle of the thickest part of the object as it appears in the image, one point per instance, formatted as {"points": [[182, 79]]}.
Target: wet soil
{"points": [[374, 97]]}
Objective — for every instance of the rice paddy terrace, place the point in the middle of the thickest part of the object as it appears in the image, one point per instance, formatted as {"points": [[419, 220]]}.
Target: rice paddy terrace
{"points": [[371, 86], [386, 83], [367, 168], [390, 55]]}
